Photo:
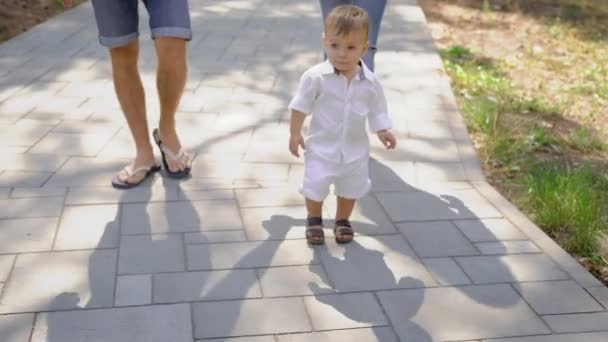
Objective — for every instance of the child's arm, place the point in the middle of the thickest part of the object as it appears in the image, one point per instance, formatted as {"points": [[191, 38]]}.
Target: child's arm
{"points": [[379, 121], [295, 132]]}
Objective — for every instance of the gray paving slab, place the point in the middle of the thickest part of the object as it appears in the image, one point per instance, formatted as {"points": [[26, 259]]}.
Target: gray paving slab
{"points": [[250, 317], [446, 271], [376, 334], [133, 290], [437, 239], [587, 337], [199, 286], [38, 192], [27, 235], [343, 311], [151, 253], [23, 178], [269, 338], [32, 162], [580, 322], [600, 294], [60, 281], [510, 268], [88, 227], [6, 264], [439, 314], [557, 297], [215, 236], [294, 281], [507, 247], [373, 263], [489, 230], [16, 328], [183, 216], [145, 324]]}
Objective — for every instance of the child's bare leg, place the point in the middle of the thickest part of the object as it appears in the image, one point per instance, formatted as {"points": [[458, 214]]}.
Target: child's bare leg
{"points": [[343, 231], [314, 222]]}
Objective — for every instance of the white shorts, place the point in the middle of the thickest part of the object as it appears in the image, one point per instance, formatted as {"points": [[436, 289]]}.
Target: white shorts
{"points": [[350, 180]]}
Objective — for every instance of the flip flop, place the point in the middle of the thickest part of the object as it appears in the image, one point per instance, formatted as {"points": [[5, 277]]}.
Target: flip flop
{"points": [[166, 153], [119, 184]]}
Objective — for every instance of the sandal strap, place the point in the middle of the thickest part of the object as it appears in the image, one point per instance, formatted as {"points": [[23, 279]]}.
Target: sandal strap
{"points": [[131, 173], [173, 156], [314, 221], [343, 223]]}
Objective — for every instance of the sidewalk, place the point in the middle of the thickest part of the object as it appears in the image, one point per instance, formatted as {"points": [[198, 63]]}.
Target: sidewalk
{"points": [[440, 255]]}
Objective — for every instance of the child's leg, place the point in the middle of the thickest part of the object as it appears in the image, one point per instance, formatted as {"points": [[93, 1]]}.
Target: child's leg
{"points": [[344, 208], [314, 222]]}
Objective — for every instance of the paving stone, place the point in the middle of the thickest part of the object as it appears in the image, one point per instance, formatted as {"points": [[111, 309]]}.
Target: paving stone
{"points": [[22, 135], [173, 217], [84, 145], [507, 247], [489, 230], [23, 178], [439, 314], [23, 208], [276, 223], [580, 322], [215, 237], [249, 254], [437, 171], [213, 285], [207, 195], [154, 191], [557, 297], [376, 334], [138, 324], [151, 254], [600, 294], [587, 337], [16, 328], [276, 197], [436, 239], [424, 206], [42, 192], [230, 170], [250, 317], [269, 338], [88, 227], [81, 172], [60, 281], [435, 150], [6, 263], [294, 281], [27, 235], [446, 271], [367, 218], [343, 311], [32, 162], [134, 290], [510, 268], [373, 263]]}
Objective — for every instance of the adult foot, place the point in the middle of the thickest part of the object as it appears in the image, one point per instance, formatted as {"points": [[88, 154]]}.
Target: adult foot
{"points": [[177, 159]]}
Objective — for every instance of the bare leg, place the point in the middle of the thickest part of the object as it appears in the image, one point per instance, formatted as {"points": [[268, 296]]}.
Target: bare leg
{"points": [[130, 93], [170, 81], [314, 208], [344, 208]]}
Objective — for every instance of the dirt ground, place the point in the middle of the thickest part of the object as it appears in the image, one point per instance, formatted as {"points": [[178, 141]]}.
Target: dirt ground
{"points": [[17, 16]]}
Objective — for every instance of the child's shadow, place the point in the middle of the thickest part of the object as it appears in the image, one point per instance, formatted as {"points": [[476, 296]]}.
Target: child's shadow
{"points": [[362, 308]]}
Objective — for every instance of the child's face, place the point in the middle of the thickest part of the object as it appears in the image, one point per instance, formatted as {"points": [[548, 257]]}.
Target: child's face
{"points": [[345, 51]]}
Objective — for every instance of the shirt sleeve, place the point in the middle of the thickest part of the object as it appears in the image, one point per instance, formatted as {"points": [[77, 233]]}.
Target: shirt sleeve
{"points": [[378, 117], [305, 96]]}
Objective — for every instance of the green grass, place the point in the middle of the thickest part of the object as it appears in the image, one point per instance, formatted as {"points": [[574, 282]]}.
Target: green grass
{"points": [[569, 202], [582, 140]]}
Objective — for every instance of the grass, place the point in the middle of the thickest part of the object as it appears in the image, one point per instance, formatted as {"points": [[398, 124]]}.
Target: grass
{"points": [[517, 138], [568, 203]]}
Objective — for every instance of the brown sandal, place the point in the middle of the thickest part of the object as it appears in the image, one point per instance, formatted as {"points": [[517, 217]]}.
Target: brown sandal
{"points": [[314, 231], [343, 231]]}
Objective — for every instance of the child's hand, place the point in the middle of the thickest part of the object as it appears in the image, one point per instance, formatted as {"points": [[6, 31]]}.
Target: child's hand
{"points": [[387, 139], [295, 141]]}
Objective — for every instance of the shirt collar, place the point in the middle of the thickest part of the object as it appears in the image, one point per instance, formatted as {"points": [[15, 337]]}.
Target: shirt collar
{"points": [[364, 72]]}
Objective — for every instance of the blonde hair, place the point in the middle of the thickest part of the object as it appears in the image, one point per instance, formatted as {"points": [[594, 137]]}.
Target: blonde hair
{"points": [[345, 19]]}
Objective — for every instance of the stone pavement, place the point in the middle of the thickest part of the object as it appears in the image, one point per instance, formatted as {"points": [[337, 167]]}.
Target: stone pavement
{"points": [[440, 255]]}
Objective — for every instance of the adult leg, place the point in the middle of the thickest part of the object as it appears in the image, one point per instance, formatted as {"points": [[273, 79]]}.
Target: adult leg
{"points": [[130, 93], [375, 10], [170, 82]]}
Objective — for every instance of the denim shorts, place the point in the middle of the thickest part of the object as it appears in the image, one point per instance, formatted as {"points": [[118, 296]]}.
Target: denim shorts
{"points": [[118, 20]]}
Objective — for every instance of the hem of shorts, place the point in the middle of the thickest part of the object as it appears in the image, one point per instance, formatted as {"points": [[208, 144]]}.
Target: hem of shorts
{"points": [[359, 194], [175, 32], [312, 198], [113, 42]]}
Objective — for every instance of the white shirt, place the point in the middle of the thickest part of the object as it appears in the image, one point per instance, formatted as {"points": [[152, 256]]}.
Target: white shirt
{"points": [[339, 110]]}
